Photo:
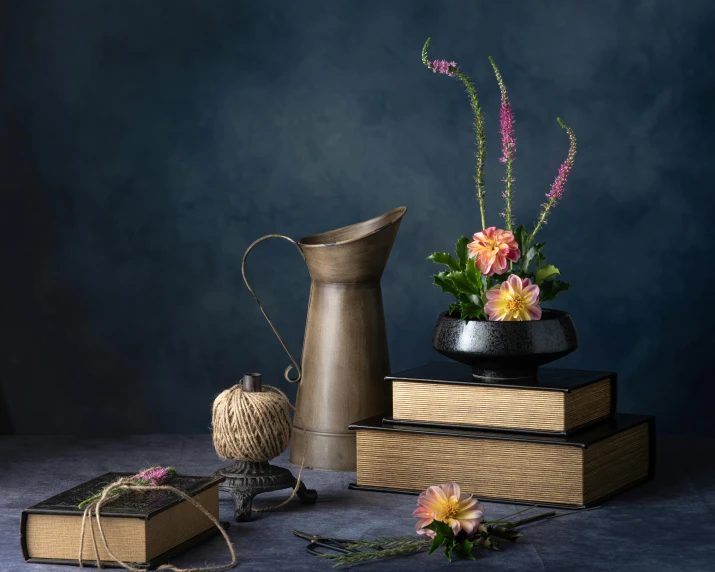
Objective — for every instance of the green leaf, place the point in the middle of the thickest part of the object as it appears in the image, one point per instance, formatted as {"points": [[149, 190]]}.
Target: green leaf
{"points": [[546, 272], [552, 288], [440, 528], [436, 543], [522, 238], [472, 306], [455, 308], [461, 283], [441, 280], [447, 259], [474, 277], [526, 260], [464, 549], [449, 547], [462, 251]]}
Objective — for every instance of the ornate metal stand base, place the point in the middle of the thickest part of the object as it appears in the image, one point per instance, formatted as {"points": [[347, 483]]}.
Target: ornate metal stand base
{"points": [[245, 480]]}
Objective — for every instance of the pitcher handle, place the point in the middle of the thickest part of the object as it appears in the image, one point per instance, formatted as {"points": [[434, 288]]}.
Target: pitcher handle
{"points": [[265, 315]]}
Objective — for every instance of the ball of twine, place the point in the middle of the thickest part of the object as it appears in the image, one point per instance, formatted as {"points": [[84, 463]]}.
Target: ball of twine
{"points": [[251, 425]]}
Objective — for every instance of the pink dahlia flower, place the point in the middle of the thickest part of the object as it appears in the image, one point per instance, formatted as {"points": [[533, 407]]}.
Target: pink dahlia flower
{"points": [[492, 248], [514, 300], [448, 504]]}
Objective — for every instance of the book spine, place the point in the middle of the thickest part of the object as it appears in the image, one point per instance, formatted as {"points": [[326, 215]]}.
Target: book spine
{"points": [[23, 535]]}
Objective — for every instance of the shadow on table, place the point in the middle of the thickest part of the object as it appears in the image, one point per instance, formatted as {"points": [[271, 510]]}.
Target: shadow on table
{"points": [[684, 473]]}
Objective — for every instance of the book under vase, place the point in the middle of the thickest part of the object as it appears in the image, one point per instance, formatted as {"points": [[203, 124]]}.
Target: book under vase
{"points": [[552, 440]]}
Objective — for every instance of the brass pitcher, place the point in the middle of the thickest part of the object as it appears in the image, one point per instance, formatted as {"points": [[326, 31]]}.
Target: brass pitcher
{"points": [[345, 357]]}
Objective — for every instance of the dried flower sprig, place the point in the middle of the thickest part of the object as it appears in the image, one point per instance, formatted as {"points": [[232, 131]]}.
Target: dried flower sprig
{"points": [[451, 69], [506, 119], [153, 476], [557, 188]]}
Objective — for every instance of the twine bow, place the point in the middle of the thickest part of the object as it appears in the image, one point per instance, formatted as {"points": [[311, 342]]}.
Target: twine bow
{"points": [[131, 483]]}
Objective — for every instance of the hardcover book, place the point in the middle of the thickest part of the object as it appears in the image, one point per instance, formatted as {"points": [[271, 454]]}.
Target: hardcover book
{"points": [[569, 472], [142, 528], [559, 401]]}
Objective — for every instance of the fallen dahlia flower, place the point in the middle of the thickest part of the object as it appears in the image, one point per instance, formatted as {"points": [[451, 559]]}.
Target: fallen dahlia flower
{"points": [[448, 504]]}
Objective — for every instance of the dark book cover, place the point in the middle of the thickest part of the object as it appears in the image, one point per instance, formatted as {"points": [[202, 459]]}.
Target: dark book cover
{"points": [[615, 424], [129, 504], [548, 378]]}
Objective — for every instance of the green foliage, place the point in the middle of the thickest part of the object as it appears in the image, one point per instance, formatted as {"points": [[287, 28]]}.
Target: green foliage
{"points": [[445, 537], [548, 271], [552, 288], [446, 259], [468, 286], [462, 251], [522, 238], [436, 543], [462, 280], [441, 528], [464, 549]]}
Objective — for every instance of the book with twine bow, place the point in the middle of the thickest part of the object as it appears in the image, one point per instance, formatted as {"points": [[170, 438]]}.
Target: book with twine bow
{"points": [[143, 528]]}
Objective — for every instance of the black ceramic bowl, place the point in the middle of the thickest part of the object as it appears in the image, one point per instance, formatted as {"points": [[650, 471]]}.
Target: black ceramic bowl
{"points": [[506, 351]]}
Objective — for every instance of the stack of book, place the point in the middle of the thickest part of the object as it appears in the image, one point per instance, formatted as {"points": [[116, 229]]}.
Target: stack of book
{"points": [[556, 441]]}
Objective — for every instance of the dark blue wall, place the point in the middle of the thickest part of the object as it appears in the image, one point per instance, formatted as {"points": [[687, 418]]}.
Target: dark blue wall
{"points": [[144, 145]]}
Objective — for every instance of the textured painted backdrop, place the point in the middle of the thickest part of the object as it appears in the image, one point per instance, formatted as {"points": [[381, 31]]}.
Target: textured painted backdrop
{"points": [[144, 145]]}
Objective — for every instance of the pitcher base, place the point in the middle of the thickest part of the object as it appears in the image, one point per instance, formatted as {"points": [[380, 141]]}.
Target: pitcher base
{"points": [[326, 451]]}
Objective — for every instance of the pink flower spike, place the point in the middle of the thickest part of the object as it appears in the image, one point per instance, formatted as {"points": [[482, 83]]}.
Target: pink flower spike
{"points": [[443, 66], [557, 188]]}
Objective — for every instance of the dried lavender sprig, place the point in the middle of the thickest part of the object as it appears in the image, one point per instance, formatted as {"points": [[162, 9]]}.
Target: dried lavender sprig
{"points": [[451, 69], [506, 116], [557, 188], [154, 476]]}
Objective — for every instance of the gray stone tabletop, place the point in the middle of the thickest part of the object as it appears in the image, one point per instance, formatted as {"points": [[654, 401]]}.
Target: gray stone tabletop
{"points": [[666, 524]]}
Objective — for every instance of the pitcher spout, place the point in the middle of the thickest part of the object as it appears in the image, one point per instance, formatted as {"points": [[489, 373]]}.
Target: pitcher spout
{"points": [[354, 253]]}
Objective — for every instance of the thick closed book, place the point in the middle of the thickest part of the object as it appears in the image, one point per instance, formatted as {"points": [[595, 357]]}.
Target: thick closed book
{"points": [[571, 472], [559, 401], [144, 528]]}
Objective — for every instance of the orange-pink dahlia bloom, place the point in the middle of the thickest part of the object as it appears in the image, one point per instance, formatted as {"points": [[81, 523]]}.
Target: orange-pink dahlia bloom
{"points": [[448, 504], [513, 300], [492, 248]]}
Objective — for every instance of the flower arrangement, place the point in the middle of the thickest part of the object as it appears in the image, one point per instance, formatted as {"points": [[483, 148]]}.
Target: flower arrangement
{"points": [[447, 518], [500, 274]]}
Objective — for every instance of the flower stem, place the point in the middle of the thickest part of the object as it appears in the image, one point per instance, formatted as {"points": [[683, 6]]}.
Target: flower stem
{"points": [[506, 518], [534, 519], [481, 139], [478, 125], [506, 117]]}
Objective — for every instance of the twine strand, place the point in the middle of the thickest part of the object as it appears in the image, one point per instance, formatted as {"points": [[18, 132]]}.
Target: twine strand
{"points": [[129, 483]]}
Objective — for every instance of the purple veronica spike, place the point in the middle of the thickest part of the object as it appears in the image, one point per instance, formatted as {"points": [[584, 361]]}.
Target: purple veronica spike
{"points": [[557, 188], [442, 66]]}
